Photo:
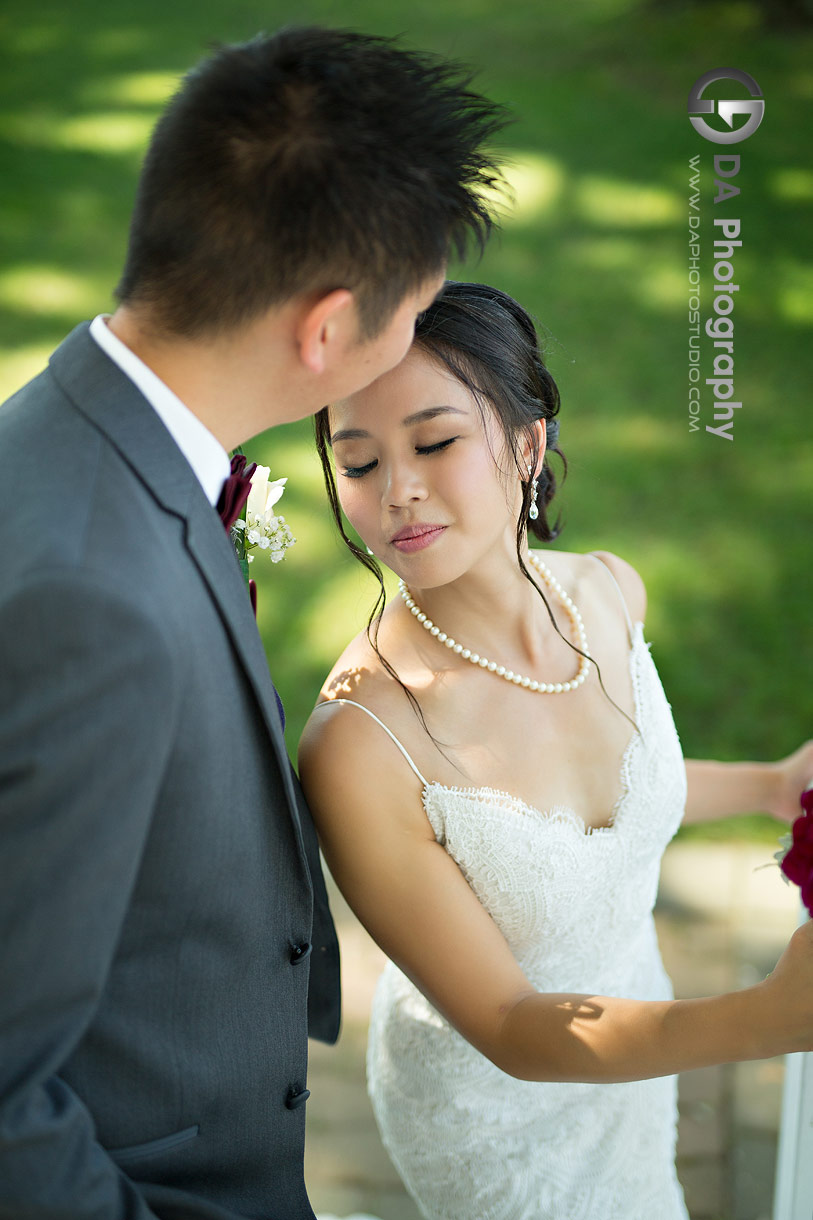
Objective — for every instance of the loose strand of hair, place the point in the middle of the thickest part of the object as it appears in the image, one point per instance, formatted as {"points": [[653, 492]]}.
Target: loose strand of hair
{"points": [[369, 562], [520, 539]]}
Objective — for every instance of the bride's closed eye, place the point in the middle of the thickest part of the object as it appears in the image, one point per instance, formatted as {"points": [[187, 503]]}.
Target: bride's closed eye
{"points": [[437, 447], [358, 472]]}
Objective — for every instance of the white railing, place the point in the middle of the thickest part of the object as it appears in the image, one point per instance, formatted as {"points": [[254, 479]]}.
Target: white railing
{"points": [[793, 1198]]}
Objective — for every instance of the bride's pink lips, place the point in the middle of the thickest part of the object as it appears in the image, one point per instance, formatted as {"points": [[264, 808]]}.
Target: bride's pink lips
{"points": [[416, 537]]}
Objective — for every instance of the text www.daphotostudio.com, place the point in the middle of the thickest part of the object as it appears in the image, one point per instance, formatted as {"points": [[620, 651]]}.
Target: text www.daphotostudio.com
{"points": [[711, 364]]}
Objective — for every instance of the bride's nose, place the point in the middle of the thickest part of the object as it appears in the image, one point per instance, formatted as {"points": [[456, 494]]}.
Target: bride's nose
{"points": [[404, 485]]}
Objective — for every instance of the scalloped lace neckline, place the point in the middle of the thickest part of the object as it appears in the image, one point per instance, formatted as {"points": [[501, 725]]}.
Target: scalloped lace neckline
{"points": [[564, 813]]}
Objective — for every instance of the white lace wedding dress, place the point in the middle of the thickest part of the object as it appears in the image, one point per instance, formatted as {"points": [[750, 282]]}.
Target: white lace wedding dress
{"points": [[470, 1141]]}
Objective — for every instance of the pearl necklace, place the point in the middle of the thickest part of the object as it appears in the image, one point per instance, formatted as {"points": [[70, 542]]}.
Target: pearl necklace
{"points": [[547, 688]]}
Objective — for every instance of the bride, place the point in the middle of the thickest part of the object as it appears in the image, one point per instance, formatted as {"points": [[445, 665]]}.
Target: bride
{"points": [[494, 772]]}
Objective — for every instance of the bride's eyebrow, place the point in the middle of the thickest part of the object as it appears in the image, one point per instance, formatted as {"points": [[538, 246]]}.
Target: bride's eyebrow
{"points": [[418, 417]]}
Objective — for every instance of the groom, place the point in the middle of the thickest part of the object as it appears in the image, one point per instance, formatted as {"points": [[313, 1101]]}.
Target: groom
{"points": [[164, 929]]}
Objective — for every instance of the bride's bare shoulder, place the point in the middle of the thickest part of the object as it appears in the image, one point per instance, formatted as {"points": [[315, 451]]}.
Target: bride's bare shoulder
{"points": [[586, 576], [354, 667], [629, 581], [358, 676], [358, 701]]}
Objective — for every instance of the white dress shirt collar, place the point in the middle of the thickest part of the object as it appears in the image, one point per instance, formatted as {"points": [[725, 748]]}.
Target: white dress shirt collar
{"points": [[202, 450]]}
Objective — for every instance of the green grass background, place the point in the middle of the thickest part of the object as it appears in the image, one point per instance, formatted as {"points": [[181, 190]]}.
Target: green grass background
{"points": [[596, 247]]}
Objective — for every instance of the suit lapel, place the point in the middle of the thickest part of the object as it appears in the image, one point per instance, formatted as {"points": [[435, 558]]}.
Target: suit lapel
{"points": [[102, 392], [213, 553]]}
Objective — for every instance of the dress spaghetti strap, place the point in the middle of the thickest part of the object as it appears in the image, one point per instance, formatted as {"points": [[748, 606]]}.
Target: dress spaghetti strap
{"points": [[630, 627], [390, 734]]}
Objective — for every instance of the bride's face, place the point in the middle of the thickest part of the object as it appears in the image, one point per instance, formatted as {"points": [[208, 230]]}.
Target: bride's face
{"points": [[423, 478]]}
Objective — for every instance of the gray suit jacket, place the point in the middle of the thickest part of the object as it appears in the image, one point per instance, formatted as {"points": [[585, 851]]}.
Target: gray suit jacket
{"points": [[162, 912]]}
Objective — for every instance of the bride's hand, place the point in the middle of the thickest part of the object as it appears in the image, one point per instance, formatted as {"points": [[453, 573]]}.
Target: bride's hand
{"points": [[789, 992], [794, 774]]}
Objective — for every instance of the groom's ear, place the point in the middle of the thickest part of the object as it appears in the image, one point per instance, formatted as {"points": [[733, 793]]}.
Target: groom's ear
{"points": [[326, 328]]}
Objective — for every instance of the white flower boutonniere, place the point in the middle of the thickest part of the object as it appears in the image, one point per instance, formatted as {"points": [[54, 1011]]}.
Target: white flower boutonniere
{"points": [[262, 528]]}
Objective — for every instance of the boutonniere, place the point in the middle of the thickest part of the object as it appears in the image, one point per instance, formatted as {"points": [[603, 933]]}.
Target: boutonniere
{"points": [[795, 858], [246, 508], [260, 528]]}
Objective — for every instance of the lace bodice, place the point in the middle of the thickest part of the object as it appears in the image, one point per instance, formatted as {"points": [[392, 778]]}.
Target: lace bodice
{"points": [[575, 906], [572, 900]]}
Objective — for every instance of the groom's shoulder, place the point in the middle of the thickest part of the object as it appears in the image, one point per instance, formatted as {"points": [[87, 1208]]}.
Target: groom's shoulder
{"points": [[50, 461], [40, 427], [60, 471], [69, 502]]}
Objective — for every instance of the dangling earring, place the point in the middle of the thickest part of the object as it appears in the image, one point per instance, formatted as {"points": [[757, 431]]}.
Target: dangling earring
{"points": [[533, 511]]}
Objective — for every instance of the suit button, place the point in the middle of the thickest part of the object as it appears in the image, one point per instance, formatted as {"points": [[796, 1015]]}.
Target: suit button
{"points": [[300, 952], [296, 1097]]}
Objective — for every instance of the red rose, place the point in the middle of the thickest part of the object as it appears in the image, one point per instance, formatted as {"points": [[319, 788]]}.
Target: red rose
{"points": [[798, 862]]}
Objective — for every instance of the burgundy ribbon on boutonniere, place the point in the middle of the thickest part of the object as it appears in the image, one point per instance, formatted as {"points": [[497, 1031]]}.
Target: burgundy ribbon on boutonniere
{"points": [[229, 507], [235, 490]]}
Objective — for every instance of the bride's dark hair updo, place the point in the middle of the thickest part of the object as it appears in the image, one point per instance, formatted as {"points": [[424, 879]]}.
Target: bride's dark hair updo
{"points": [[489, 343]]}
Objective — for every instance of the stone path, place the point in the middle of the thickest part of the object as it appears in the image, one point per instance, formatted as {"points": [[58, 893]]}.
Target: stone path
{"points": [[722, 922]]}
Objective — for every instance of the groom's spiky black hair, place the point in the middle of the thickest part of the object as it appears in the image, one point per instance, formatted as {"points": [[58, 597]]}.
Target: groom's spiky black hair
{"points": [[305, 161]]}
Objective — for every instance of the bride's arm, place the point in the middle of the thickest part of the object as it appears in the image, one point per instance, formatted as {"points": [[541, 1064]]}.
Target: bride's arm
{"points": [[415, 902], [722, 790]]}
